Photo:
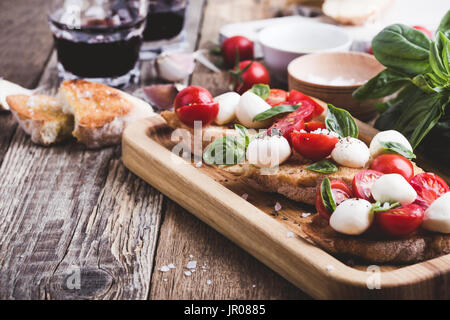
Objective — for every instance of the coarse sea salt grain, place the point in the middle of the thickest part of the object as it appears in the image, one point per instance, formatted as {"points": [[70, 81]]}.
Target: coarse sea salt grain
{"points": [[245, 196], [290, 234], [305, 214], [164, 269], [254, 286], [171, 266], [187, 273], [208, 282], [191, 265], [277, 206], [191, 256], [198, 164], [330, 267]]}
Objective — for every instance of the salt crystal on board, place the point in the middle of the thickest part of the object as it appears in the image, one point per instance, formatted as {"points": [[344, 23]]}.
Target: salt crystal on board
{"points": [[191, 265], [208, 282], [277, 206], [245, 196], [290, 234], [306, 214], [330, 267], [164, 269], [187, 273], [171, 266]]}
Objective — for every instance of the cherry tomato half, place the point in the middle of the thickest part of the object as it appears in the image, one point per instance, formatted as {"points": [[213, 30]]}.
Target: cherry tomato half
{"points": [[340, 192], [276, 97], [206, 113], [393, 163], [293, 121], [313, 126], [400, 221], [244, 80], [191, 95], [296, 97], [429, 187], [243, 45], [362, 183], [312, 145], [195, 104]]}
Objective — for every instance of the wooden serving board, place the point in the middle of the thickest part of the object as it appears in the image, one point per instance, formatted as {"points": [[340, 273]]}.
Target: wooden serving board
{"points": [[275, 238]]}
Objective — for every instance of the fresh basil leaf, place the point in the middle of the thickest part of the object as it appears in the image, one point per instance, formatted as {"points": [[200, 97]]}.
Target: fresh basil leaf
{"points": [[398, 148], [340, 121], [224, 150], [243, 134], [402, 48], [327, 195], [262, 90], [324, 166], [436, 62], [445, 43], [272, 112], [383, 84], [422, 83], [377, 207], [444, 26]]}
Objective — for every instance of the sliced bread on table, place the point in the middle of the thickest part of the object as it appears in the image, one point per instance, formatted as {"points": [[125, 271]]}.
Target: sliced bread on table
{"points": [[41, 117], [8, 88], [354, 12]]}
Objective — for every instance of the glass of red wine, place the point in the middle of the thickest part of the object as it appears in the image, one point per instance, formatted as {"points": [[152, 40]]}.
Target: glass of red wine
{"points": [[165, 25], [98, 40]]}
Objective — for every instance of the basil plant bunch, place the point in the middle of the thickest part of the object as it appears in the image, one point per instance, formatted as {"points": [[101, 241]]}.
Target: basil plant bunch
{"points": [[417, 83]]}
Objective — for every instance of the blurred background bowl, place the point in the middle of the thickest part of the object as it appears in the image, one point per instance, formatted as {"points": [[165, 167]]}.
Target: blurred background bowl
{"points": [[333, 76], [284, 42]]}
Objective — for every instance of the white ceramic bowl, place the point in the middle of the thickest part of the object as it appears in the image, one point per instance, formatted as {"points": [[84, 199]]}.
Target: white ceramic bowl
{"points": [[283, 43]]}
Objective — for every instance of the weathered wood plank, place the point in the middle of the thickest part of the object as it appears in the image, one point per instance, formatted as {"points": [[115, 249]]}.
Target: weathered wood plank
{"points": [[232, 271]]}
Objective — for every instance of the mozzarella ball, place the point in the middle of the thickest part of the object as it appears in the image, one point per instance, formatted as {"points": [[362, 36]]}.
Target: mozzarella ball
{"points": [[228, 103], [249, 106], [437, 216], [393, 188], [268, 152], [351, 152], [352, 216], [387, 136]]}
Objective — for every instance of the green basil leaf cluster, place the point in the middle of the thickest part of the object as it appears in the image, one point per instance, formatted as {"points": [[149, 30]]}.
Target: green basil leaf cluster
{"points": [[324, 166], [272, 112], [341, 122], [416, 81]]}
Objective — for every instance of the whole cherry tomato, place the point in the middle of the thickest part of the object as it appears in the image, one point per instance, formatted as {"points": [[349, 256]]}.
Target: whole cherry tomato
{"points": [[248, 74], [429, 187], [393, 163], [424, 30], [400, 221], [276, 97], [314, 146], [340, 192], [296, 97], [195, 104], [293, 121], [362, 183], [242, 45]]}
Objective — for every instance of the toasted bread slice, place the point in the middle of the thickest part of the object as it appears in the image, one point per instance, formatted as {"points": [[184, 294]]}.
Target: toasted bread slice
{"points": [[209, 133], [8, 88], [41, 117], [354, 12], [417, 247], [101, 113]]}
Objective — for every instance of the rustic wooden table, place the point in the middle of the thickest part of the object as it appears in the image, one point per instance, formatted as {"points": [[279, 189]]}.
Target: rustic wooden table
{"points": [[67, 212]]}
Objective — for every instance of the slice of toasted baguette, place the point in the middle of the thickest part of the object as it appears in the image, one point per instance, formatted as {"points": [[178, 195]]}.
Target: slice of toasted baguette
{"points": [[354, 12], [101, 113], [7, 89], [41, 117], [414, 248]]}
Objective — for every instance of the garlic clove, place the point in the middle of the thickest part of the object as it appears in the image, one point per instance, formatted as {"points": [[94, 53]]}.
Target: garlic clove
{"points": [[175, 66]]}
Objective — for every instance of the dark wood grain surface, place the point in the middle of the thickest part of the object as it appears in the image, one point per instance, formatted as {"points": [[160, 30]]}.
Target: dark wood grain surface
{"points": [[66, 211]]}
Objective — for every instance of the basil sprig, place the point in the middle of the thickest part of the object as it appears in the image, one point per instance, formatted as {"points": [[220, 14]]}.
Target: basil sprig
{"points": [[397, 148], [340, 121], [272, 112], [327, 195], [324, 166], [262, 90], [378, 207]]}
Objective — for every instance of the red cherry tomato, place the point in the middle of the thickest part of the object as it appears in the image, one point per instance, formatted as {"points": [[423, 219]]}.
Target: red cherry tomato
{"points": [[195, 104], [393, 163], [243, 79], [400, 221], [424, 30], [293, 121], [191, 95], [340, 192], [296, 97], [276, 97], [362, 183], [429, 187], [312, 145], [243, 45], [313, 126]]}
